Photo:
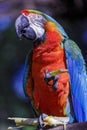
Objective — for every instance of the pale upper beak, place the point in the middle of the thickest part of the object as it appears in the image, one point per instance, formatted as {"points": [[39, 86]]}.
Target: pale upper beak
{"points": [[23, 29]]}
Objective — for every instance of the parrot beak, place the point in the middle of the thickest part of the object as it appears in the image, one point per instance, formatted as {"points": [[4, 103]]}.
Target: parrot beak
{"points": [[18, 26], [23, 28]]}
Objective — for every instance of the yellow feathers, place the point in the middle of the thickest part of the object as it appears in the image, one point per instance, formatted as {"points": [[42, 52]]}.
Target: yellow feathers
{"points": [[50, 26]]}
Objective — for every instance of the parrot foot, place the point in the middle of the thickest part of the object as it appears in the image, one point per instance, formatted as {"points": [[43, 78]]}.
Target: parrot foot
{"points": [[41, 121], [52, 121], [51, 78]]}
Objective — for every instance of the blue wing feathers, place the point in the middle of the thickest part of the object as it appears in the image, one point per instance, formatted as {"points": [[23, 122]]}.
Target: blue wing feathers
{"points": [[27, 69], [78, 110], [78, 79]]}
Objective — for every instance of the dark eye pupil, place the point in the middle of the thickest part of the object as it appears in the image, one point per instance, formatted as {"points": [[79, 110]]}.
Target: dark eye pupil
{"points": [[39, 16]]}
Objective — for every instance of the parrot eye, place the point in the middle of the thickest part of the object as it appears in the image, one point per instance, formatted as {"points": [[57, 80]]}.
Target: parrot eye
{"points": [[39, 16], [37, 20], [40, 20]]}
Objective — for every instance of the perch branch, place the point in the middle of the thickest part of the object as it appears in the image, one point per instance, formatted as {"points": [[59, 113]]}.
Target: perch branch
{"points": [[74, 126], [48, 121], [22, 122]]}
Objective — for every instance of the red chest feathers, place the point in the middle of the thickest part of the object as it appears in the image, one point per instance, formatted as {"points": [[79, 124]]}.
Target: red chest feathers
{"points": [[50, 56]]}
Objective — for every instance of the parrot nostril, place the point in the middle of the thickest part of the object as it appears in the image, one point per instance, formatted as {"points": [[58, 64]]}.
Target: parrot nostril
{"points": [[23, 31]]}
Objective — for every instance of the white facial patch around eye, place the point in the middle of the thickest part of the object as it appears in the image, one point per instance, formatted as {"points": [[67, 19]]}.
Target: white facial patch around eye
{"points": [[36, 19], [38, 30], [40, 20], [37, 22]]}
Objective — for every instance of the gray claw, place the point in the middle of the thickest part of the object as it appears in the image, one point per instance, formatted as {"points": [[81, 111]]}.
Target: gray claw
{"points": [[48, 77], [55, 82], [41, 119]]}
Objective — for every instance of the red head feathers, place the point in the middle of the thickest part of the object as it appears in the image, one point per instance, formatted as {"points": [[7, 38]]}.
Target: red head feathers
{"points": [[25, 12]]}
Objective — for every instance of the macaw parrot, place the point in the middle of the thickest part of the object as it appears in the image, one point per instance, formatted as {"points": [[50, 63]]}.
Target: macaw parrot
{"points": [[55, 76]]}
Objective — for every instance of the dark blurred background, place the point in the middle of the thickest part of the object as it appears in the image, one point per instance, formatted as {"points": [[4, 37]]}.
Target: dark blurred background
{"points": [[71, 14]]}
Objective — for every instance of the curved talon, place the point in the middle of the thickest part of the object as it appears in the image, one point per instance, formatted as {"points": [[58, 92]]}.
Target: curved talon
{"points": [[48, 77], [41, 120], [55, 82], [52, 121]]}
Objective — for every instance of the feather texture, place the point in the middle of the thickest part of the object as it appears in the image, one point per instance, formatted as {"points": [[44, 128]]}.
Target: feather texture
{"points": [[50, 55], [78, 79]]}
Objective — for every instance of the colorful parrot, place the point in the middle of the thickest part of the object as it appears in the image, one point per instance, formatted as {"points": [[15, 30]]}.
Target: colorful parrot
{"points": [[55, 76]]}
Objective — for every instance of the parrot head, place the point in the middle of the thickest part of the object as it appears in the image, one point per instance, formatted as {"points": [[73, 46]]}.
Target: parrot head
{"points": [[30, 24], [33, 25]]}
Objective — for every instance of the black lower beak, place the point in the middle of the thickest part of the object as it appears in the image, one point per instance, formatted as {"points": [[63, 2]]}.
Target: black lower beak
{"points": [[28, 33]]}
